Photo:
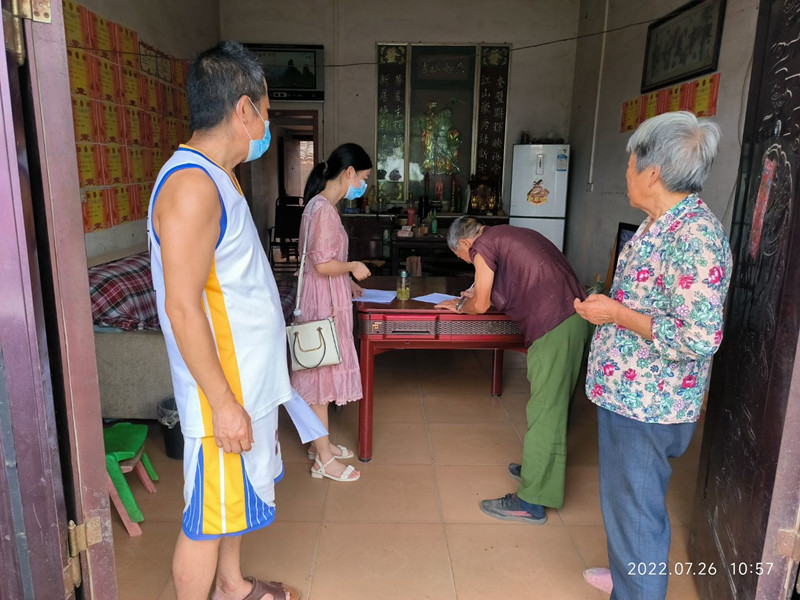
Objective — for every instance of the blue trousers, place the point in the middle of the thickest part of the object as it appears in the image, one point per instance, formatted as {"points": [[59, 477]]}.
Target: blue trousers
{"points": [[634, 474]]}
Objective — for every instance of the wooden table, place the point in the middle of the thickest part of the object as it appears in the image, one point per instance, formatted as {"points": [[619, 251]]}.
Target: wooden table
{"points": [[413, 324]]}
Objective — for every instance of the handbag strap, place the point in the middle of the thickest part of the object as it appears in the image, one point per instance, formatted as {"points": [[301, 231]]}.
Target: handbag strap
{"points": [[297, 312]]}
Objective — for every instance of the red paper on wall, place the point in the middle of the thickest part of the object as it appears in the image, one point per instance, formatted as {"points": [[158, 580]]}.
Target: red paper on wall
{"points": [[110, 215]]}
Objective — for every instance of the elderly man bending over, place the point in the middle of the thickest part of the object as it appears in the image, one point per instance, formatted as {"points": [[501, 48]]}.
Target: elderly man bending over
{"points": [[524, 275]]}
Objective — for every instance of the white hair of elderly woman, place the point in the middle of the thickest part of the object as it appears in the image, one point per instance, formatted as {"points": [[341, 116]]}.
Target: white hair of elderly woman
{"points": [[681, 145]]}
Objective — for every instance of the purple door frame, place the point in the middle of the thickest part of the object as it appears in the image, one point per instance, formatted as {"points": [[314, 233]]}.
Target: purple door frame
{"points": [[34, 489], [52, 114], [32, 494]]}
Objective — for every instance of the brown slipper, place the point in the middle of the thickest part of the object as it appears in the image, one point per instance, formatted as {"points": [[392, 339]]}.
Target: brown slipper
{"points": [[278, 590]]}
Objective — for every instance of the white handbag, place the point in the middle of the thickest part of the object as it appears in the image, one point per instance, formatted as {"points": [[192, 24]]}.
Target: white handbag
{"points": [[313, 343]]}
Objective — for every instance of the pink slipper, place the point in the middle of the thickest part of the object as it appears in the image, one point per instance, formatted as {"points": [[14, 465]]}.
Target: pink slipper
{"points": [[600, 578]]}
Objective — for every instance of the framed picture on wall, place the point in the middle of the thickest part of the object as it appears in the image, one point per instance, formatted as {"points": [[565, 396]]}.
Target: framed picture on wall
{"points": [[683, 44]]}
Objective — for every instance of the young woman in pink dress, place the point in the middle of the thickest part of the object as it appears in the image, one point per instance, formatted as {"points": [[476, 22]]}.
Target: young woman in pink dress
{"points": [[327, 286]]}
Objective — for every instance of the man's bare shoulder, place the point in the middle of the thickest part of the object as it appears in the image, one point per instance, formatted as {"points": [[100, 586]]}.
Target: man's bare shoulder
{"points": [[187, 201], [189, 191]]}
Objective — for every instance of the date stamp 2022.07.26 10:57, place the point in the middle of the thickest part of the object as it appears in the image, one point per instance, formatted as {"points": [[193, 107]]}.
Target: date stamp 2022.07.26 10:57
{"points": [[696, 568]]}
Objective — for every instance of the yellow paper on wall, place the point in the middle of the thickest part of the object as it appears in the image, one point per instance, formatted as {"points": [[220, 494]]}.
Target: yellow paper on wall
{"points": [[122, 200], [650, 105], [128, 46], [131, 90], [152, 93], [80, 75], [158, 161], [178, 73], [105, 39], [82, 118], [94, 211], [73, 28], [133, 132], [172, 134], [155, 130], [115, 155], [147, 164], [108, 79], [675, 93], [144, 198], [706, 96], [86, 164], [113, 123], [135, 165], [630, 115], [182, 103]]}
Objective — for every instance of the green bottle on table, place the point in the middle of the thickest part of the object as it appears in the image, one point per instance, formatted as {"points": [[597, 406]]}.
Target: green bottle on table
{"points": [[434, 224]]}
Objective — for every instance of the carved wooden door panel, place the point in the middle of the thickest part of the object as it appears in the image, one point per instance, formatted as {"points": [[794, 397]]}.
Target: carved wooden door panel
{"points": [[749, 476]]}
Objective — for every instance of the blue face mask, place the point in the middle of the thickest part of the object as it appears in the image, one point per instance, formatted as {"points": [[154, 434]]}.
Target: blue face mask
{"points": [[257, 147], [353, 193]]}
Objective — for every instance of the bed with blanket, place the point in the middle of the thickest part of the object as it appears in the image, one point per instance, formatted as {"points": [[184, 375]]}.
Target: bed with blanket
{"points": [[132, 365]]}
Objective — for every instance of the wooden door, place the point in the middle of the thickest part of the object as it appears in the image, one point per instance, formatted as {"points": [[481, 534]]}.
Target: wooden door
{"points": [[749, 477], [32, 501], [53, 433]]}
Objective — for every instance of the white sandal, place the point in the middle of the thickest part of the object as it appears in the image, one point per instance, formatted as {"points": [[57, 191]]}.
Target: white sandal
{"points": [[320, 472], [346, 454]]}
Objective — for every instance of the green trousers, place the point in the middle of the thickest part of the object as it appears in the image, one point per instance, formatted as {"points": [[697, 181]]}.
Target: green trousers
{"points": [[554, 362]]}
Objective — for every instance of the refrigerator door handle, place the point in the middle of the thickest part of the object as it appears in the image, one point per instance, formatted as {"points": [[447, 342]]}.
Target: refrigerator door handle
{"points": [[539, 164]]}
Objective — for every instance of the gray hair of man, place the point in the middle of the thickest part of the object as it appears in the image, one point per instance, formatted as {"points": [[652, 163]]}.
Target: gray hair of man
{"points": [[681, 145], [462, 228]]}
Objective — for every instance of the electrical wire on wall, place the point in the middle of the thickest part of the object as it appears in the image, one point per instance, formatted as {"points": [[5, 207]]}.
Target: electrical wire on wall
{"points": [[604, 31]]}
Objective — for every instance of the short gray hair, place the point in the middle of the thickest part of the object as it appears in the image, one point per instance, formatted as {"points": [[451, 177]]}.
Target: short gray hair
{"points": [[681, 145], [462, 228]]}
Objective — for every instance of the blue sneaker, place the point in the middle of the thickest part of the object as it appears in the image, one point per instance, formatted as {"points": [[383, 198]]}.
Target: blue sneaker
{"points": [[515, 471], [510, 508]]}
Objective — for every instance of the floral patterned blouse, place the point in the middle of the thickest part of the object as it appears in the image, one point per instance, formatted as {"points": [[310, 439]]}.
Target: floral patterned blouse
{"points": [[678, 274]]}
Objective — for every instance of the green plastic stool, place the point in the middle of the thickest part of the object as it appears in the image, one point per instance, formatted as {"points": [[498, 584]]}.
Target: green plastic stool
{"points": [[124, 444]]}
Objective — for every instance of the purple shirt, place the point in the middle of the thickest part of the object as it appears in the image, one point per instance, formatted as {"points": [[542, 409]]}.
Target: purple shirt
{"points": [[534, 283]]}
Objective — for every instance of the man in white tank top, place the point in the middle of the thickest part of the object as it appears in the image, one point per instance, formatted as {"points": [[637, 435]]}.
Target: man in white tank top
{"points": [[223, 325]]}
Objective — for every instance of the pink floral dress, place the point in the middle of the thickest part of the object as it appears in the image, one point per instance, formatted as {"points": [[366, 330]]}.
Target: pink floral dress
{"points": [[327, 240]]}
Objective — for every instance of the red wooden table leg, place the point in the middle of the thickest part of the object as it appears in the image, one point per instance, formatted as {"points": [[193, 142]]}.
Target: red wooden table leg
{"points": [[367, 360], [497, 372]]}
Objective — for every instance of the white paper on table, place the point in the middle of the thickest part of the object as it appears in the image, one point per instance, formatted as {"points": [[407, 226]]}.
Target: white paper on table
{"points": [[434, 298], [308, 425], [379, 296]]}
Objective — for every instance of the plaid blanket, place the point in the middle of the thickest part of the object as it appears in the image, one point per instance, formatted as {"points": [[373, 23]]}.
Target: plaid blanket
{"points": [[122, 294], [287, 288]]}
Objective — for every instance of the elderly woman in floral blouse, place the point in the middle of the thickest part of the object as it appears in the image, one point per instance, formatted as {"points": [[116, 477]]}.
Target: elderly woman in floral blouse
{"points": [[652, 350]]}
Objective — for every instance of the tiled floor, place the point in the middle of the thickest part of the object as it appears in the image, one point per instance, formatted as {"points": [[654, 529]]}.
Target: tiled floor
{"points": [[411, 527]]}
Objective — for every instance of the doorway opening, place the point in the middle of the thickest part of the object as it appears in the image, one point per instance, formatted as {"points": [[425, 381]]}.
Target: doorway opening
{"points": [[297, 136]]}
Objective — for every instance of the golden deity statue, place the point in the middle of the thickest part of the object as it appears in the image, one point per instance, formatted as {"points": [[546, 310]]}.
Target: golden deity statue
{"points": [[440, 141]]}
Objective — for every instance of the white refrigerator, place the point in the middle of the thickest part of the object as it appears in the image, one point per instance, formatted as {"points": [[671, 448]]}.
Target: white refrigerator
{"points": [[539, 189]]}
